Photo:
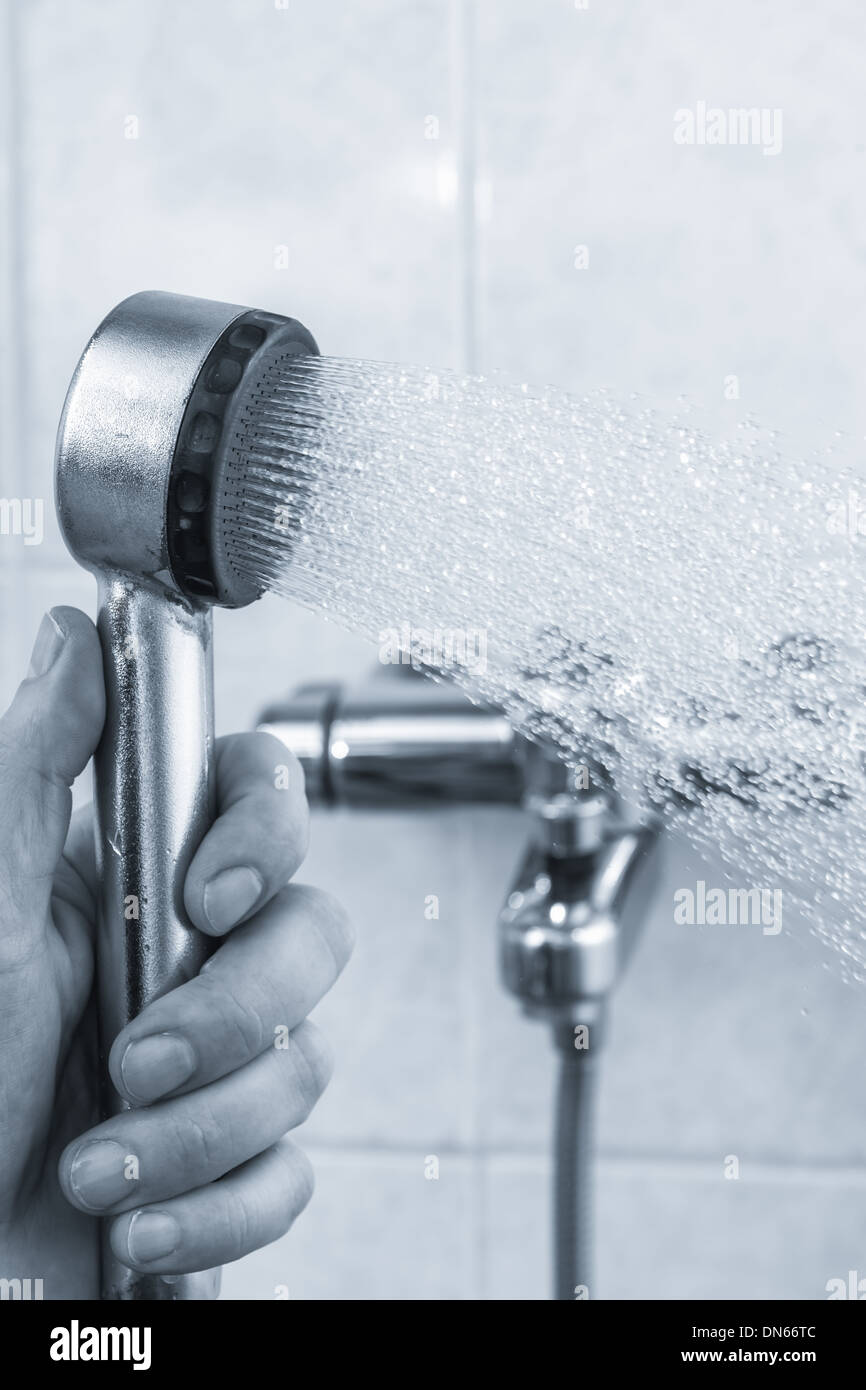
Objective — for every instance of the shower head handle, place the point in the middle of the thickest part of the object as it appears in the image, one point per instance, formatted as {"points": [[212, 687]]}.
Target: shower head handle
{"points": [[144, 435]]}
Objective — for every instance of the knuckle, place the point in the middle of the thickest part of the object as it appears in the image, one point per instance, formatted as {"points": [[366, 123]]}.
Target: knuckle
{"points": [[298, 1184], [239, 1236], [292, 811], [292, 819], [283, 818], [233, 1017], [197, 1145], [251, 758], [273, 754], [272, 749], [312, 1064], [332, 925]]}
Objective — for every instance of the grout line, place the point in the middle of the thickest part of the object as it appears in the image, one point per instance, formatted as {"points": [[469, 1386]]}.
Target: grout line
{"points": [[462, 27], [12, 473], [820, 1173], [11, 306], [468, 1152], [462, 66], [464, 76], [473, 962]]}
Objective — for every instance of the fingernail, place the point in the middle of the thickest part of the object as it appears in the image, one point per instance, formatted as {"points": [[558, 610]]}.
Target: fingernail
{"points": [[151, 1236], [47, 647], [98, 1174], [153, 1066], [229, 896]]}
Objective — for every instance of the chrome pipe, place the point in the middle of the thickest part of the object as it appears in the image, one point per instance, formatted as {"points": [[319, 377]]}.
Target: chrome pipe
{"points": [[399, 743]]}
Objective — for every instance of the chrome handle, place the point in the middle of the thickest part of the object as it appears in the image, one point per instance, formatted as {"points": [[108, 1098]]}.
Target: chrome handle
{"points": [[154, 799]]}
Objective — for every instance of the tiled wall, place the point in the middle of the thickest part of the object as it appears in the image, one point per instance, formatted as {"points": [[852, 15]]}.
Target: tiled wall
{"points": [[305, 127]]}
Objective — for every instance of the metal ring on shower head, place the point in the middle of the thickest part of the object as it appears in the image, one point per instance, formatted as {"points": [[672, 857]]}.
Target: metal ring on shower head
{"points": [[249, 346]]}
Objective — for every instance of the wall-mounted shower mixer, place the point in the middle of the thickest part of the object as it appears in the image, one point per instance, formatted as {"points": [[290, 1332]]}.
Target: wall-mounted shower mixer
{"points": [[571, 915]]}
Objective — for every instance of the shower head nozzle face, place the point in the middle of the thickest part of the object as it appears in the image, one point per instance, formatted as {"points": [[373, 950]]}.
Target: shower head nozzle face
{"points": [[226, 396], [146, 430]]}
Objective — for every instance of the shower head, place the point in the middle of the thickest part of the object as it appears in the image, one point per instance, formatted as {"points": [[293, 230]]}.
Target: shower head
{"points": [[146, 432], [144, 444]]}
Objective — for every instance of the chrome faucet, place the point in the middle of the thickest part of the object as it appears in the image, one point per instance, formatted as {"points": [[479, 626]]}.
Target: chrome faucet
{"points": [[571, 916], [570, 919]]}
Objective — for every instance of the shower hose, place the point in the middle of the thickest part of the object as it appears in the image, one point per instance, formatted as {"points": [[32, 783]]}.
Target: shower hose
{"points": [[572, 1191]]}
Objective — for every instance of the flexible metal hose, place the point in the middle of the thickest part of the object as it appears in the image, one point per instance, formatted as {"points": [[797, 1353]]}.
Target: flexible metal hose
{"points": [[572, 1190]]}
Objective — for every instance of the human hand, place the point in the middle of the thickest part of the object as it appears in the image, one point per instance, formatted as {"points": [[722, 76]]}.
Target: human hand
{"points": [[216, 1072]]}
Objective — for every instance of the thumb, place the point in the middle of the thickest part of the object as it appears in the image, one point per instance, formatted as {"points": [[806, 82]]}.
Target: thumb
{"points": [[46, 738]]}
